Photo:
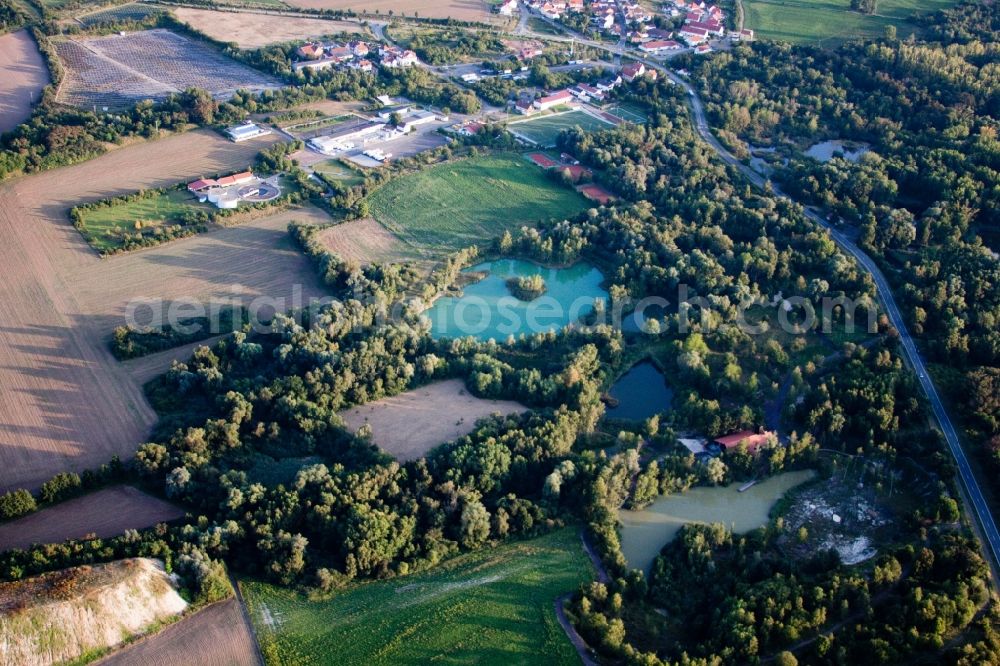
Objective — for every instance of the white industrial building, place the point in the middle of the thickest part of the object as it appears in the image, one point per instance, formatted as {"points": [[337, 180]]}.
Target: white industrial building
{"points": [[247, 130]]}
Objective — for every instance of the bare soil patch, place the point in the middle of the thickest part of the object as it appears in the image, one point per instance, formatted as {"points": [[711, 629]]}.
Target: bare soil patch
{"points": [[410, 424], [66, 404], [214, 635], [462, 10], [23, 74], [106, 513], [57, 617], [365, 241], [252, 31]]}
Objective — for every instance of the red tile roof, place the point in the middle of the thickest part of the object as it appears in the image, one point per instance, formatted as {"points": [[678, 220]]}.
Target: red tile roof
{"points": [[753, 439]]}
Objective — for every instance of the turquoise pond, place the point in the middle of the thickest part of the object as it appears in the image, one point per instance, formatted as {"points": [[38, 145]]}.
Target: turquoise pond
{"points": [[487, 310], [641, 392]]}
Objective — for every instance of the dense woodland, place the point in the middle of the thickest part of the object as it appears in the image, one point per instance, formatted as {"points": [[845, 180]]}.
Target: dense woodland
{"points": [[925, 200], [234, 411]]}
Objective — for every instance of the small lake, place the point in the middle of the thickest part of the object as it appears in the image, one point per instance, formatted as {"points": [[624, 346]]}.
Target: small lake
{"points": [[487, 309], [641, 392], [824, 150], [644, 533]]}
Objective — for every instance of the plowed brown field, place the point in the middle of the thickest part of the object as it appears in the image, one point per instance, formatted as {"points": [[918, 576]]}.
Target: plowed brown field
{"points": [[462, 10], [22, 76], [215, 635], [252, 31], [106, 513], [65, 402]]}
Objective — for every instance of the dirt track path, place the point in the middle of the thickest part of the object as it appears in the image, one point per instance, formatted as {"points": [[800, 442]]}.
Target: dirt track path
{"points": [[65, 402]]}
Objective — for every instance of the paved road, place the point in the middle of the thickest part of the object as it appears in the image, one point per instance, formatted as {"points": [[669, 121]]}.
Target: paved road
{"points": [[969, 482], [973, 492]]}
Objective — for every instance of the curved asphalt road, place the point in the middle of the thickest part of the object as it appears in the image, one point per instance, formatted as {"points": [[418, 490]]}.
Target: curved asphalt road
{"points": [[973, 492], [981, 510]]}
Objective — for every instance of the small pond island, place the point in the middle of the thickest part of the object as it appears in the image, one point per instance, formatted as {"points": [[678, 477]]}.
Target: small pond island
{"points": [[487, 310]]}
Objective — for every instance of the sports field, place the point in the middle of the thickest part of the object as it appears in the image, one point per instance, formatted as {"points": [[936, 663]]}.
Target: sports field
{"points": [[494, 606], [544, 130], [470, 202], [832, 21]]}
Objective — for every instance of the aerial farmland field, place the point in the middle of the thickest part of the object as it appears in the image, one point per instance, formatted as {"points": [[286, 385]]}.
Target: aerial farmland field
{"points": [[65, 403], [22, 76], [831, 21], [493, 606], [251, 30], [470, 201], [461, 10], [119, 70], [107, 512]]}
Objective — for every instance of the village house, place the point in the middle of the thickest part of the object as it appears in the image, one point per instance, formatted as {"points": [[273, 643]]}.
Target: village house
{"points": [[754, 441], [660, 47], [507, 8]]}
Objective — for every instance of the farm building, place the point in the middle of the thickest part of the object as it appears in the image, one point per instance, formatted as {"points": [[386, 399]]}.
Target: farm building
{"points": [[347, 137], [247, 130], [754, 440], [555, 99]]}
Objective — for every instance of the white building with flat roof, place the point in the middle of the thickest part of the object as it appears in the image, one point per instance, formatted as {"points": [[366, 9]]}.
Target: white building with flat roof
{"points": [[247, 130]]}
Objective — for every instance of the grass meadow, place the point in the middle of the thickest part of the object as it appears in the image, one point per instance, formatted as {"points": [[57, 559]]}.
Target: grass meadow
{"points": [[544, 130], [470, 202], [494, 606], [832, 21], [104, 226]]}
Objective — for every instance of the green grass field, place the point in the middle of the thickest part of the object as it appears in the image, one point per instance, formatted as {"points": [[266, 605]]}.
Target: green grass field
{"points": [[470, 201], [341, 172], [104, 226], [544, 130], [832, 21], [494, 606]]}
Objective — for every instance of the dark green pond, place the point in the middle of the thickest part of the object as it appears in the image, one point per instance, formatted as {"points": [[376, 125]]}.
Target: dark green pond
{"points": [[641, 392]]}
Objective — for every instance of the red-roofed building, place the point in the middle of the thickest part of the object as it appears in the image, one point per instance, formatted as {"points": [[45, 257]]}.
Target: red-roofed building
{"points": [[633, 70], [711, 27], [201, 185], [555, 99], [660, 46], [754, 440], [235, 179], [693, 36]]}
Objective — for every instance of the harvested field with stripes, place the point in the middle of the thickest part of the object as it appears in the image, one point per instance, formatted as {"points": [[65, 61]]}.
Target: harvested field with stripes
{"points": [[105, 513], [66, 404], [117, 71], [22, 76], [251, 30], [213, 635]]}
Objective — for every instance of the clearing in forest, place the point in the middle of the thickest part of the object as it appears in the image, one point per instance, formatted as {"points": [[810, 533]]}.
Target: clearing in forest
{"points": [[410, 424], [493, 606], [471, 201]]}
